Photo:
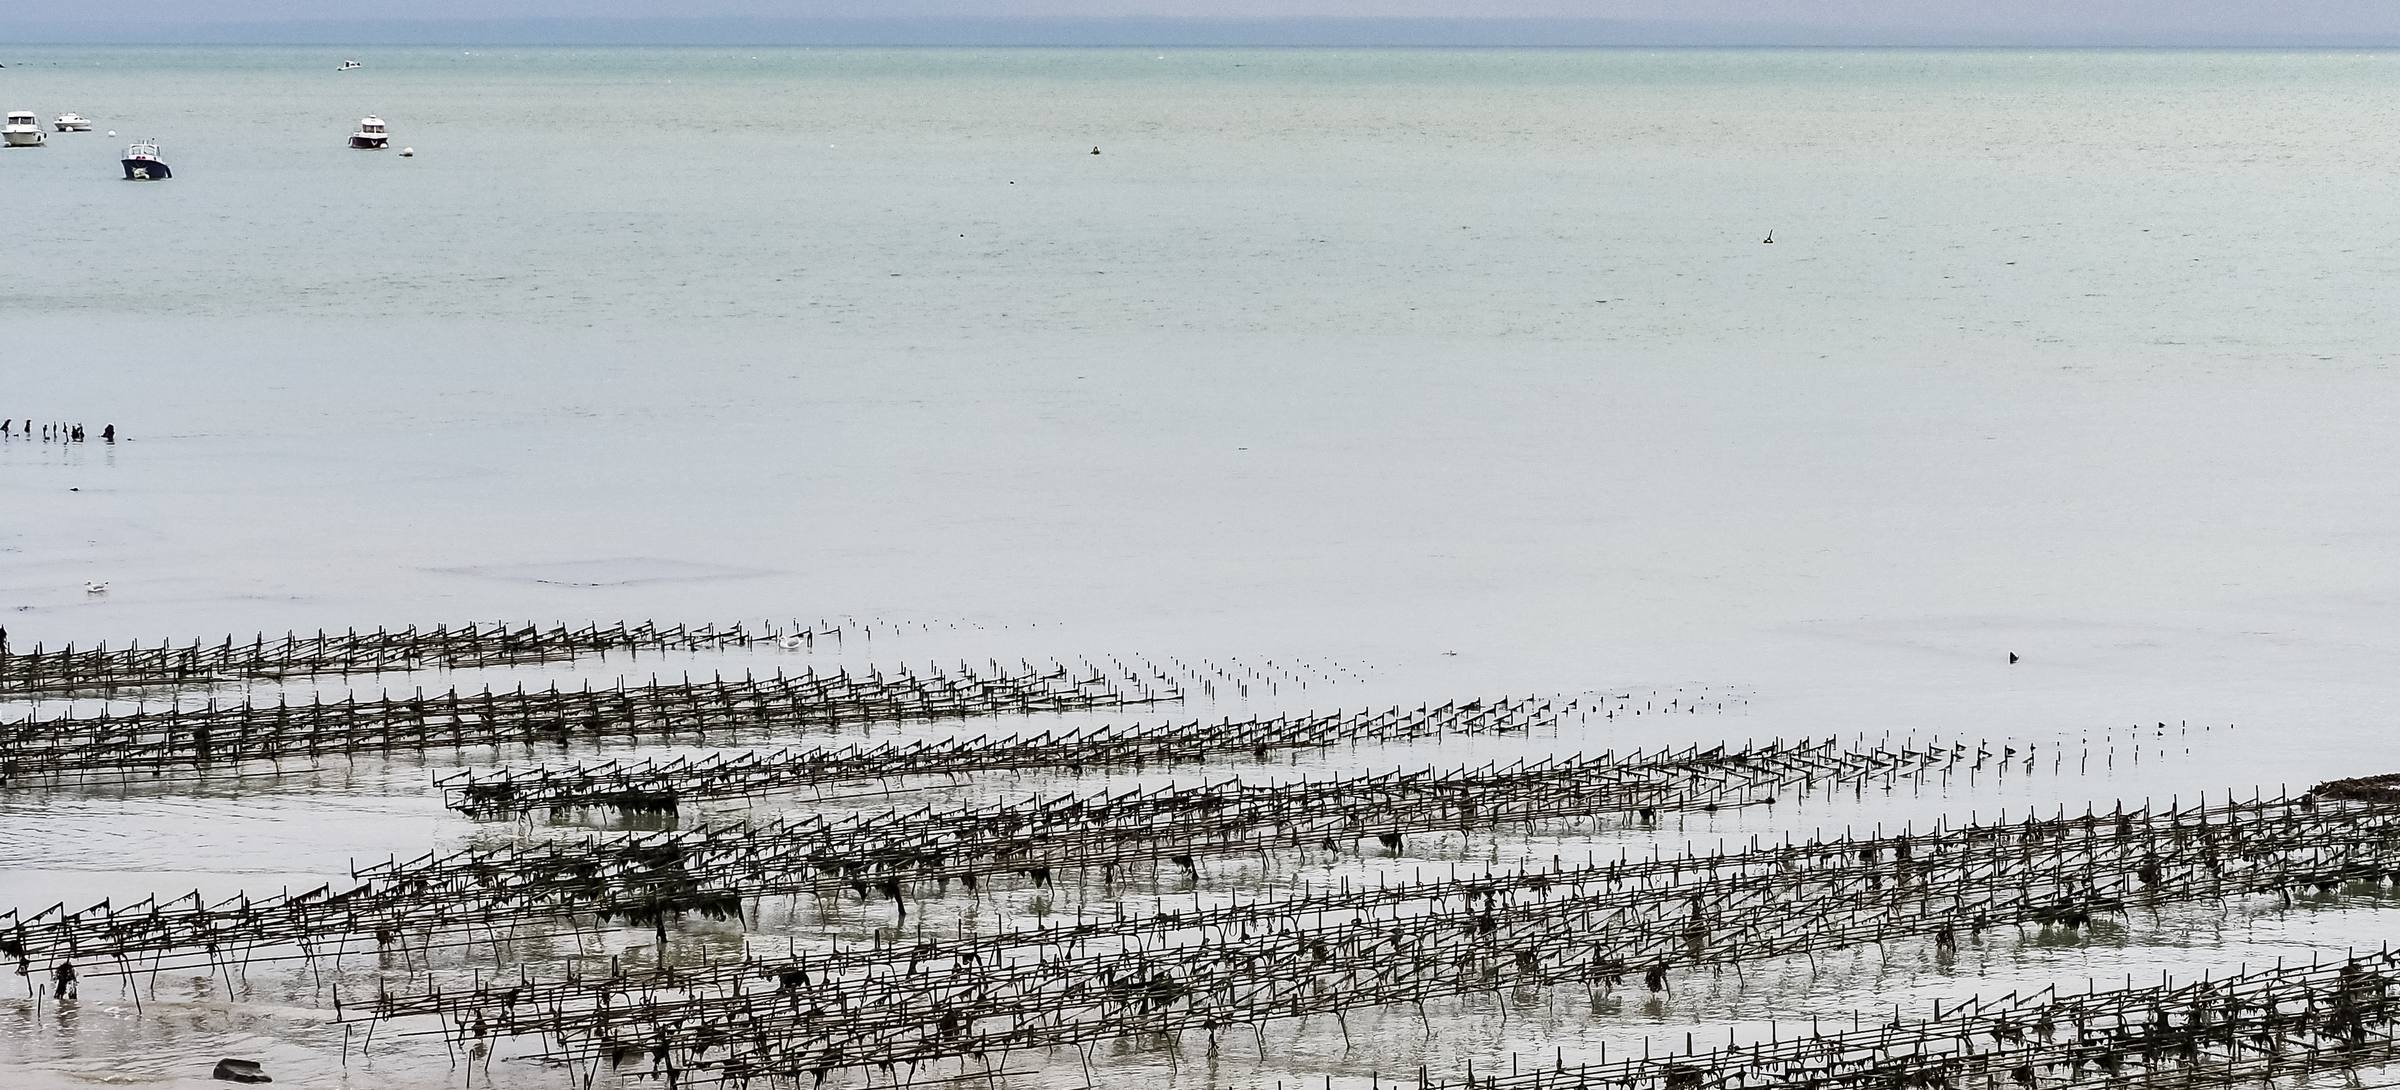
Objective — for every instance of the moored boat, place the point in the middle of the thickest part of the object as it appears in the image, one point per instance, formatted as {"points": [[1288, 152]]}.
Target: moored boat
{"points": [[370, 135], [21, 131], [142, 164], [73, 122]]}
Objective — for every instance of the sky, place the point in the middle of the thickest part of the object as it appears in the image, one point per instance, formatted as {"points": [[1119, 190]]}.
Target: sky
{"points": [[1865, 22]]}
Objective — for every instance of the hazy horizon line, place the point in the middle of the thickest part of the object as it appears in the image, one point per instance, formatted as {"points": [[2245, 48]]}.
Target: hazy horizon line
{"points": [[1143, 32]]}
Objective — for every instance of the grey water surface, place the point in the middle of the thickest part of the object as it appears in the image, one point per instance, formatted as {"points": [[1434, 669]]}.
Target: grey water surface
{"points": [[1451, 372]]}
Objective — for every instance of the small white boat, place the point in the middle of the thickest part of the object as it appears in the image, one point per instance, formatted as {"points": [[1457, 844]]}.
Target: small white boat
{"points": [[370, 135], [21, 131], [73, 123], [142, 164], [349, 65]]}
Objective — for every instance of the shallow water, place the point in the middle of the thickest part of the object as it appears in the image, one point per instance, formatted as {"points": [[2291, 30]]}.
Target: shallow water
{"points": [[1465, 371]]}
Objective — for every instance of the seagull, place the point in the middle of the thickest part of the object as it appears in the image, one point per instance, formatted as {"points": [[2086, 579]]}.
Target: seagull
{"points": [[96, 587]]}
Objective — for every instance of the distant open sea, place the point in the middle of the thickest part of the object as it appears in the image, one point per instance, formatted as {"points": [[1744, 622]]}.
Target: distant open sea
{"points": [[1315, 332], [1469, 364], [2095, 200]]}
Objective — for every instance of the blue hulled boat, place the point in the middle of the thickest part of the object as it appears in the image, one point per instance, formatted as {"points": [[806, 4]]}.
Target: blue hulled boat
{"points": [[142, 164]]}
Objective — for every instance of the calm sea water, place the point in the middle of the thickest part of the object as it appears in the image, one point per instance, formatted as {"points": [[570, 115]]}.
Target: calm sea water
{"points": [[1468, 366]]}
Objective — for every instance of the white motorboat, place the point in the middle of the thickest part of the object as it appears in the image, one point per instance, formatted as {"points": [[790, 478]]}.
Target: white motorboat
{"points": [[370, 135], [349, 65], [142, 164], [72, 123], [21, 131]]}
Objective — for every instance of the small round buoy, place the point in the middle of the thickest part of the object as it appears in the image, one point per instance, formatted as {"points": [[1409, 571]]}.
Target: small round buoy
{"points": [[112, 132], [406, 153]]}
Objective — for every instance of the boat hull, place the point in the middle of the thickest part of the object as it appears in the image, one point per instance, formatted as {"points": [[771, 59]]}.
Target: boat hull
{"points": [[369, 143], [146, 170], [24, 139]]}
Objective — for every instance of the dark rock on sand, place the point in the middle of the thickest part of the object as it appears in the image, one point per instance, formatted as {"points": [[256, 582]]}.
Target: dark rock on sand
{"points": [[240, 1071]]}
